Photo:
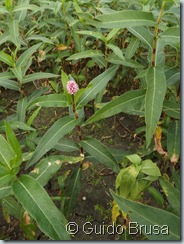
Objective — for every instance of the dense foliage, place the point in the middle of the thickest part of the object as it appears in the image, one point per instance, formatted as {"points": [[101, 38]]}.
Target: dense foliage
{"points": [[69, 54]]}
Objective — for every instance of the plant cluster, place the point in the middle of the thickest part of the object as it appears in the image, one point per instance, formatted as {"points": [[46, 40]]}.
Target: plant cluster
{"points": [[69, 54]]}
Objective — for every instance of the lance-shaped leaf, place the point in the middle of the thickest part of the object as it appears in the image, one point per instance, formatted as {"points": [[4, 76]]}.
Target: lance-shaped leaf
{"points": [[25, 56], [59, 129], [10, 84], [114, 59], [150, 216], [6, 153], [39, 205], [72, 191], [129, 102], [96, 35], [156, 89], [86, 54], [66, 145], [142, 34], [116, 50], [38, 76], [52, 100], [47, 167], [14, 31], [99, 151], [6, 58], [173, 141], [96, 85], [172, 194], [132, 48], [21, 109], [125, 19], [171, 35], [172, 109]]}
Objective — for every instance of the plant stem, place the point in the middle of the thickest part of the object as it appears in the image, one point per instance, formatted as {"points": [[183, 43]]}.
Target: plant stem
{"points": [[79, 127], [155, 35]]}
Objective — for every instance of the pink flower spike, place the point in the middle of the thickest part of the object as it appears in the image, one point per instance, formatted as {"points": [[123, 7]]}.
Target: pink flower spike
{"points": [[72, 87]]}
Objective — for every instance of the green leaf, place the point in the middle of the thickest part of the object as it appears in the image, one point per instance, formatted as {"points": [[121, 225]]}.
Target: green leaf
{"points": [[18, 73], [171, 35], [4, 37], [59, 129], [116, 51], [40, 38], [173, 141], [172, 194], [96, 85], [72, 191], [20, 125], [14, 31], [85, 54], [5, 191], [125, 19], [126, 179], [13, 141], [48, 167], [66, 145], [25, 56], [127, 103], [150, 168], [33, 116], [99, 151], [132, 48], [96, 35], [52, 100], [172, 109], [143, 34], [114, 59], [38, 76], [13, 207], [6, 153], [134, 159], [10, 84], [6, 58], [21, 109], [37, 202], [150, 216], [112, 33], [156, 89], [156, 195]]}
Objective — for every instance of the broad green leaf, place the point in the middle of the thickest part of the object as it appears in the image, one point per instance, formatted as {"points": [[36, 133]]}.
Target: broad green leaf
{"points": [[6, 58], [171, 35], [13, 141], [59, 129], [39, 205], [126, 103], [26, 7], [38, 76], [21, 109], [9, 84], [132, 48], [13, 207], [85, 54], [172, 194], [72, 191], [138, 188], [150, 168], [6, 153], [96, 35], [48, 167], [173, 141], [173, 79], [156, 89], [18, 73], [156, 195], [14, 32], [25, 56], [125, 19], [4, 37], [114, 59], [6, 75], [134, 159], [96, 85], [5, 191], [116, 51], [20, 125], [66, 145], [99, 151], [126, 179], [52, 100], [172, 109], [143, 34], [150, 216]]}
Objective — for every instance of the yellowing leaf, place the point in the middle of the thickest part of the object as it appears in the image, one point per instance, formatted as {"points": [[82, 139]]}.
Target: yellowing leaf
{"points": [[61, 47]]}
